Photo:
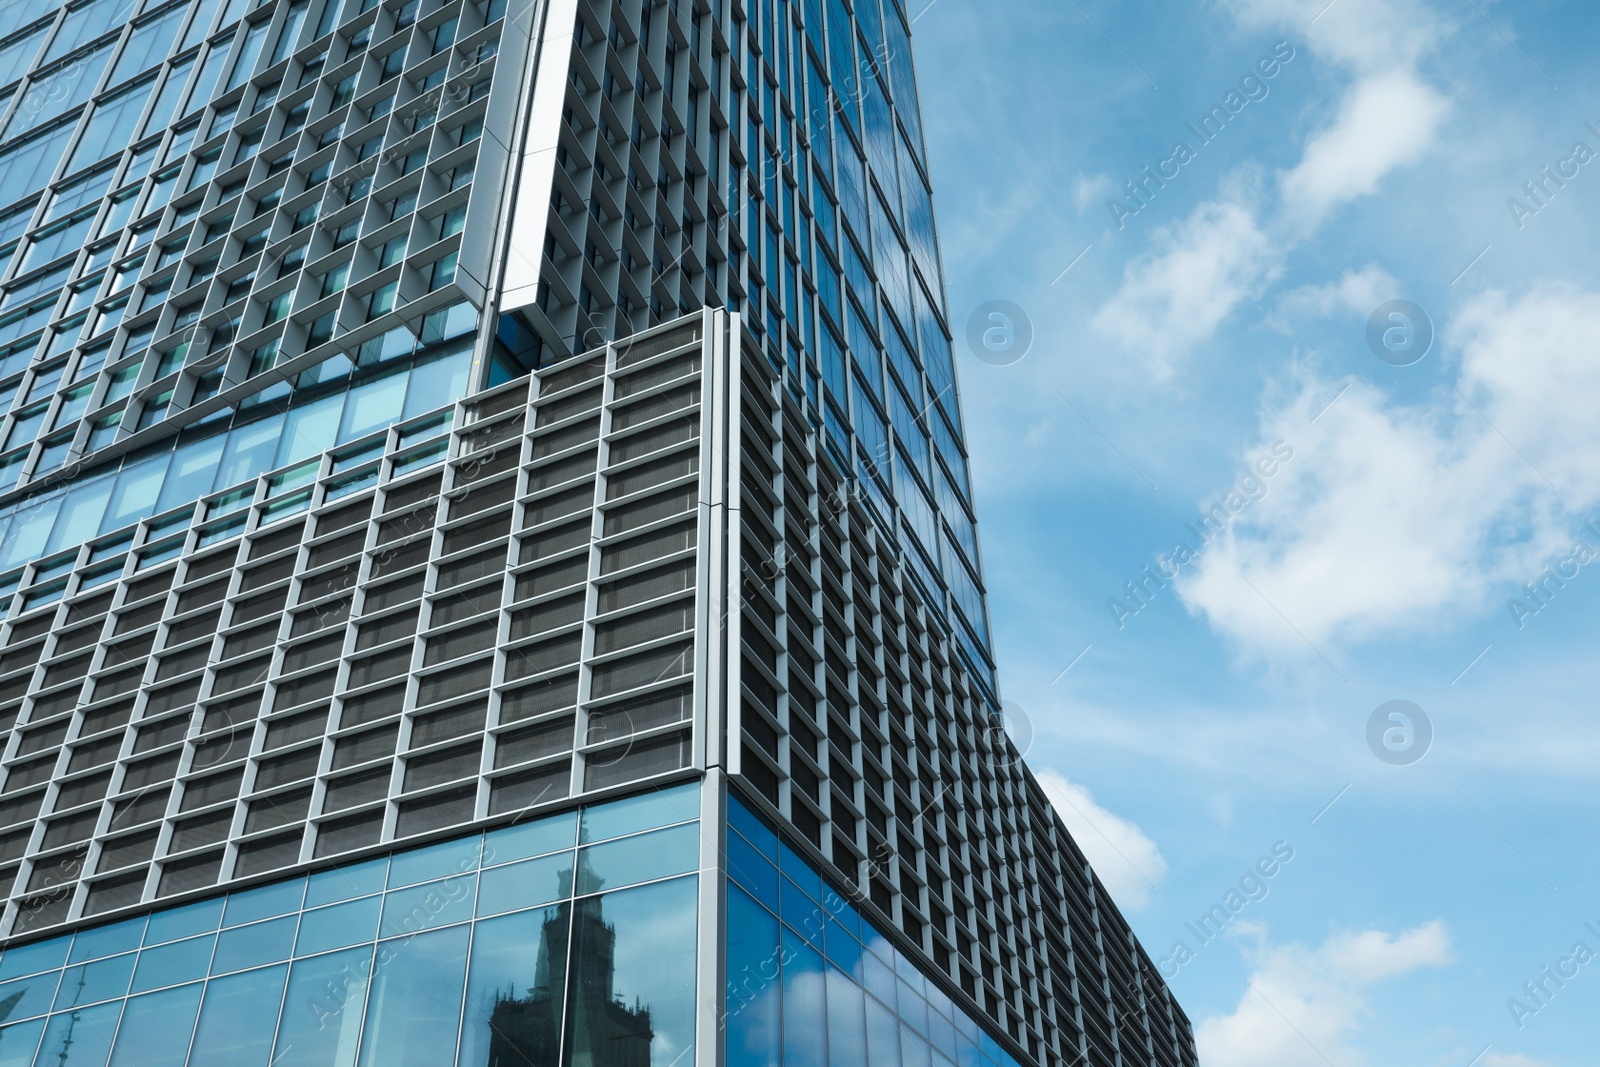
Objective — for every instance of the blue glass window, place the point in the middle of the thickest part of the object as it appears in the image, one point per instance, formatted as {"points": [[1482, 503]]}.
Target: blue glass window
{"points": [[752, 1004], [338, 926], [80, 1037], [661, 807], [173, 963], [516, 989], [634, 948], [534, 838], [156, 1028], [642, 858], [18, 1041], [525, 884], [414, 1006], [322, 1010], [850, 1008], [237, 1018], [424, 907], [251, 946]]}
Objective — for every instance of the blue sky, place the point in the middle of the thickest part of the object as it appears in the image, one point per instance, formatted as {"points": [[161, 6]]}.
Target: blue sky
{"points": [[1228, 317]]}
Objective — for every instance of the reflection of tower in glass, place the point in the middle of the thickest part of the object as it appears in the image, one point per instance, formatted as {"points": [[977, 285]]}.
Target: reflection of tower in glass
{"points": [[606, 1031], [7, 1006], [526, 1032]]}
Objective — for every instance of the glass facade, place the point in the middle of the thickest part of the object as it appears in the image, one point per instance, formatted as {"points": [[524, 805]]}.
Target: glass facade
{"points": [[565, 939], [209, 207], [113, 495], [811, 982]]}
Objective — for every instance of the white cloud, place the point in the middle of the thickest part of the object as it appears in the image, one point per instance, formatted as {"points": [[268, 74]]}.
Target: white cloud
{"points": [[1221, 256], [1386, 121], [1529, 363], [1360, 292], [1127, 861], [1365, 35], [1373, 524], [1209, 264], [1304, 1006], [1393, 516]]}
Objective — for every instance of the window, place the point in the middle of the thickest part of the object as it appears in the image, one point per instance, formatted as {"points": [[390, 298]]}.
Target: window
{"points": [[402, 205], [239, 287], [333, 281], [343, 93], [121, 383], [393, 251], [254, 242], [290, 33], [278, 309], [453, 221], [347, 232], [296, 119], [382, 300], [442, 271], [205, 165], [269, 201], [203, 270], [171, 252], [249, 144]]}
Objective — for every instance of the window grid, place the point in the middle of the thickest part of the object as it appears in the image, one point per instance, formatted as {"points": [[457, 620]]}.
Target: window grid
{"points": [[184, 329]]}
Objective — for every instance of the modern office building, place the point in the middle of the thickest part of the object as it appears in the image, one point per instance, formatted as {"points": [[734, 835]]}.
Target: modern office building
{"points": [[487, 563]]}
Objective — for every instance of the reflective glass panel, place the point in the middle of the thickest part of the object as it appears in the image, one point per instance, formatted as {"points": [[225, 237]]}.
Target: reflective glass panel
{"points": [[414, 1008], [237, 1018], [338, 926], [17, 1043], [524, 885], [639, 859], [515, 989], [632, 814], [156, 1028], [322, 1010], [633, 957], [80, 1038], [171, 964]]}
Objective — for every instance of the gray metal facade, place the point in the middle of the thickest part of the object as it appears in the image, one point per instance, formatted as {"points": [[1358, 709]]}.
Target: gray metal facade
{"points": [[277, 677]]}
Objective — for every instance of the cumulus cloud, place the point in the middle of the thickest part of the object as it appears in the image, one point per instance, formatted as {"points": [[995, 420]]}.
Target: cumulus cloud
{"points": [[1207, 266], [1364, 35], [1203, 268], [1510, 1059], [1358, 292], [1392, 516], [1303, 1007], [1385, 122], [1127, 861], [1528, 362]]}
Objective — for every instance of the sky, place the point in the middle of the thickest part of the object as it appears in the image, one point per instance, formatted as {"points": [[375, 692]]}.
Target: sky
{"points": [[1286, 455]]}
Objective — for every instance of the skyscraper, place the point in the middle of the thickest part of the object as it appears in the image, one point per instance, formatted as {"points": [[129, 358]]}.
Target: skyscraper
{"points": [[487, 554]]}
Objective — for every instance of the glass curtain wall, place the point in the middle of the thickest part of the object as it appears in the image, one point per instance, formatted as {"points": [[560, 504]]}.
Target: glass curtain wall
{"points": [[569, 939], [811, 983]]}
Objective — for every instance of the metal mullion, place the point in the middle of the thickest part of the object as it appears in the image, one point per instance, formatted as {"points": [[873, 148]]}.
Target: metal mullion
{"points": [[591, 602]]}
